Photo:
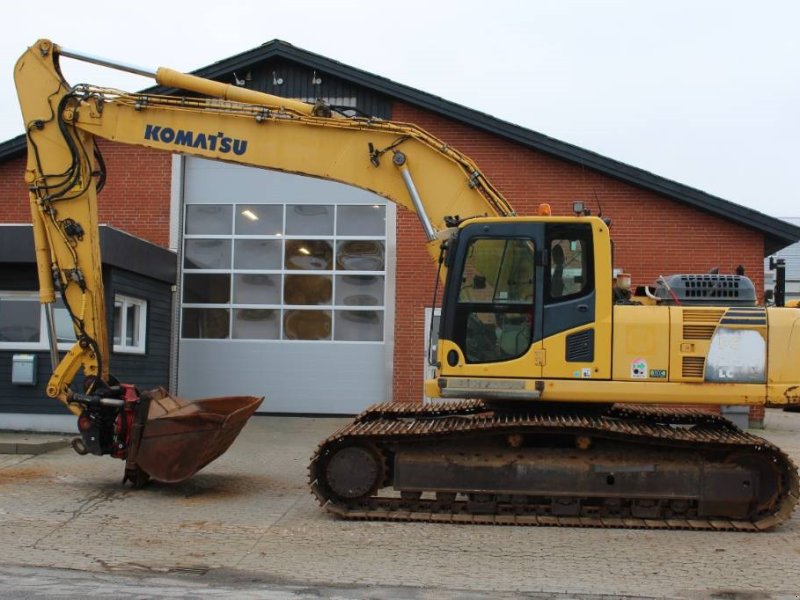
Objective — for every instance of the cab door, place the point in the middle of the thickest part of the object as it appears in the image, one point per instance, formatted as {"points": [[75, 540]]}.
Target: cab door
{"points": [[492, 306], [576, 326]]}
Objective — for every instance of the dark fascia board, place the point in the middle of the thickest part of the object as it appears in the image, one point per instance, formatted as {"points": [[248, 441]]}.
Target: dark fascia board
{"points": [[126, 251], [117, 249], [777, 232], [13, 148]]}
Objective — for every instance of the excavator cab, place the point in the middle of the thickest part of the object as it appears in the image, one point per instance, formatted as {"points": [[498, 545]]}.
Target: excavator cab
{"points": [[524, 298]]}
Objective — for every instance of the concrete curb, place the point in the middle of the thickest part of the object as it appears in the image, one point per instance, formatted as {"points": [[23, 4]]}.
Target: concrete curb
{"points": [[24, 443]]}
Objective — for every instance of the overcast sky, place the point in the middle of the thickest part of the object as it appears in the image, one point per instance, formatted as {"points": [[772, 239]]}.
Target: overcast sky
{"points": [[702, 92]]}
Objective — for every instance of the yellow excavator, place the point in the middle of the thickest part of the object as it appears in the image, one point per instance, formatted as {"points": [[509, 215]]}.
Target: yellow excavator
{"points": [[555, 378]]}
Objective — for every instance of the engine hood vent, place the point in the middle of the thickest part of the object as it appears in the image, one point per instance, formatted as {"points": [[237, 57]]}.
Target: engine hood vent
{"points": [[706, 290]]}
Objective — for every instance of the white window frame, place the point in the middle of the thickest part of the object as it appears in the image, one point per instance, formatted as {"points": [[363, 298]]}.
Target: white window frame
{"points": [[141, 314], [431, 343], [42, 344]]}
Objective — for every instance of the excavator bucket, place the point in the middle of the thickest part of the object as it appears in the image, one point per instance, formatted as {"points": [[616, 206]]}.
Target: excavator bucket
{"points": [[173, 438]]}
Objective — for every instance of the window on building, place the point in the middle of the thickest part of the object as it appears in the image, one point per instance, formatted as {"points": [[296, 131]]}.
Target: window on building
{"points": [[284, 272], [23, 324], [130, 324]]}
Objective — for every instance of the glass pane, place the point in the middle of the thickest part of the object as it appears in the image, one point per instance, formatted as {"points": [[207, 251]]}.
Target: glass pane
{"points": [[207, 254], [307, 325], [566, 268], [309, 255], [117, 323], [360, 255], [205, 323], [209, 219], [259, 219], [497, 336], [307, 289], [361, 220], [358, 325], [65, 332], [256, 289], [132, 326], [257, 254], [359, 290], [20, 320], [213, 288], [498, 271], [256, 324], [309, 219]]}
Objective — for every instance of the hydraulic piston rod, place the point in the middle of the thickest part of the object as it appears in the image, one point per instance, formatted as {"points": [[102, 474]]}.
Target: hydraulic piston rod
{"points": [[192, 83], [399, 159], [104, 62]]}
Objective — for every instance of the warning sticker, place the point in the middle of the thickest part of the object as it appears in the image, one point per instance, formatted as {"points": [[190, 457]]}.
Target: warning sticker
{"points": [[639, 369]]}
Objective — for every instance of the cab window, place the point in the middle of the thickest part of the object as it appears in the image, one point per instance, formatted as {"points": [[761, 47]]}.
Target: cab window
{"points": [[495, 299], [570, 253]]}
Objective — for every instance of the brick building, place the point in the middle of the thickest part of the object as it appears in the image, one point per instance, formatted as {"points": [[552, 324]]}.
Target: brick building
{"points": [[368, 341]]}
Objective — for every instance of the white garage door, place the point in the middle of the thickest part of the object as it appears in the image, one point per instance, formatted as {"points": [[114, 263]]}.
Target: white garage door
{"points": [[286, 290]]}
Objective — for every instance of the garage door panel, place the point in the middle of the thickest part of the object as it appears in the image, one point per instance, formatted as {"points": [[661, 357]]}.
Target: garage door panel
{"points": [[286, 290], [295, 377]]}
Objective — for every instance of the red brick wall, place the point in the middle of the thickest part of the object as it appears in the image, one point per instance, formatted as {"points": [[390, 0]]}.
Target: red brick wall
{"points": [[653, 234], [14, 192], [136, 197]]}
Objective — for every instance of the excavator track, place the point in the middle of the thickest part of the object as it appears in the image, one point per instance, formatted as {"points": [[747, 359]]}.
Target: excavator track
{"points": [[632, 467]]}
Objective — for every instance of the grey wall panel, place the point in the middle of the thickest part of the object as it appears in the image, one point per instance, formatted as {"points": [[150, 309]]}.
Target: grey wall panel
{"points": [[791, 255], [291, 80], [295, 377]]}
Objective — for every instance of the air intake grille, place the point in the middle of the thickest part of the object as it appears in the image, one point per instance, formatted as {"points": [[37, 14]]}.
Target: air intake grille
{"points": [[698, 332], [702, 316], [580, 346], [693, 366], [706, 290]]}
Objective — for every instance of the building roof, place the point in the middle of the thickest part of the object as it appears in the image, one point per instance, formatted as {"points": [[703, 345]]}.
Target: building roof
{"points": [[118, 249], [778, 233]]}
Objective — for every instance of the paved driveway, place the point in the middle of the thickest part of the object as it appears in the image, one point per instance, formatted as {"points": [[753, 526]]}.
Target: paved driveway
{"points": [[251, 514]]}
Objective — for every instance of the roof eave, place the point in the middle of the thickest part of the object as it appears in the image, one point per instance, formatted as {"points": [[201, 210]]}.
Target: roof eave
{"points": [[13, 148]]}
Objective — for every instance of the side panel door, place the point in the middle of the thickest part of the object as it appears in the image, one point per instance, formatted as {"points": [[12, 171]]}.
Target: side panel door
{"points": [[576, 321]]}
